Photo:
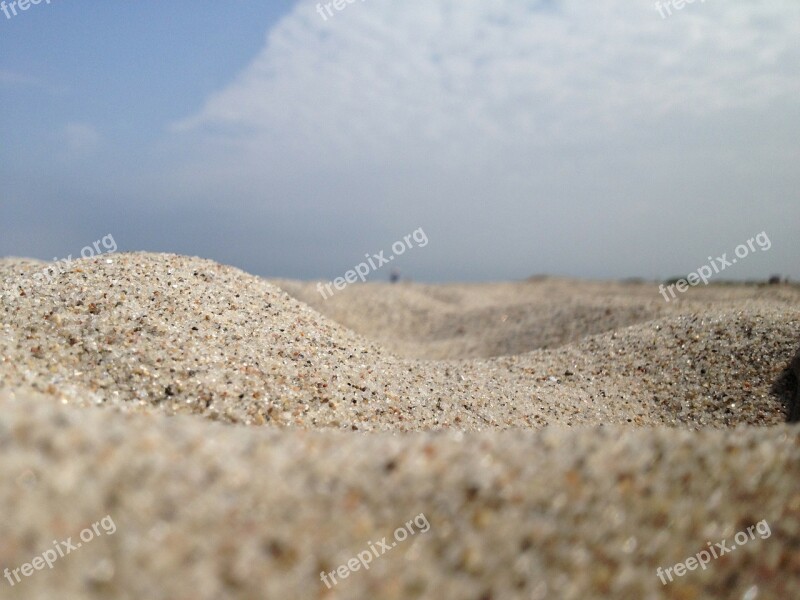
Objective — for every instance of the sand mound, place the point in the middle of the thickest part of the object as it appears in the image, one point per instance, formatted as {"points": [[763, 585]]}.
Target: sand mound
{"points": [[259, 503], [486, 320], [183, 335]]}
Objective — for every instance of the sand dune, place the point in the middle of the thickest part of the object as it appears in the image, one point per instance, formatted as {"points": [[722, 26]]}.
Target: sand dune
{"points": [[564, 439], [485, 320]]}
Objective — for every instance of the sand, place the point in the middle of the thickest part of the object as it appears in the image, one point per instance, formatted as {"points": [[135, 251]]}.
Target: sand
{"points": [[563, 439]]}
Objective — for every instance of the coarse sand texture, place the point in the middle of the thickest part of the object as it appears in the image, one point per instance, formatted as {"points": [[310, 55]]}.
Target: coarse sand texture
{"points": [[562, 439]]}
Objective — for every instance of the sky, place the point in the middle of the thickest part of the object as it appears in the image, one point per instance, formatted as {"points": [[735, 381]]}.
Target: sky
{"points": [[598, 140]]}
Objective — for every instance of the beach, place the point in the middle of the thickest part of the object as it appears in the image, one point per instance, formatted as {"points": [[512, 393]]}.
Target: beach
{"points": [[562, 438]]}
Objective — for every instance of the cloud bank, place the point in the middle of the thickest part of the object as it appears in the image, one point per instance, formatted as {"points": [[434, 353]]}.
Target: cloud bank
{"points": [[525, 136]]}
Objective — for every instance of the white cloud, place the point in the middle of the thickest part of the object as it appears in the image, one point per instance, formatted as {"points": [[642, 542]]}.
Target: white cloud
{"points": [[454, 75], [21, 81], [80, 138], [539, 121], [12, 78]]}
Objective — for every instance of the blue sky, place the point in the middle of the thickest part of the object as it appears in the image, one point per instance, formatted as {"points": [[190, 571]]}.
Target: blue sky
{"points": [[584, 139]]}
